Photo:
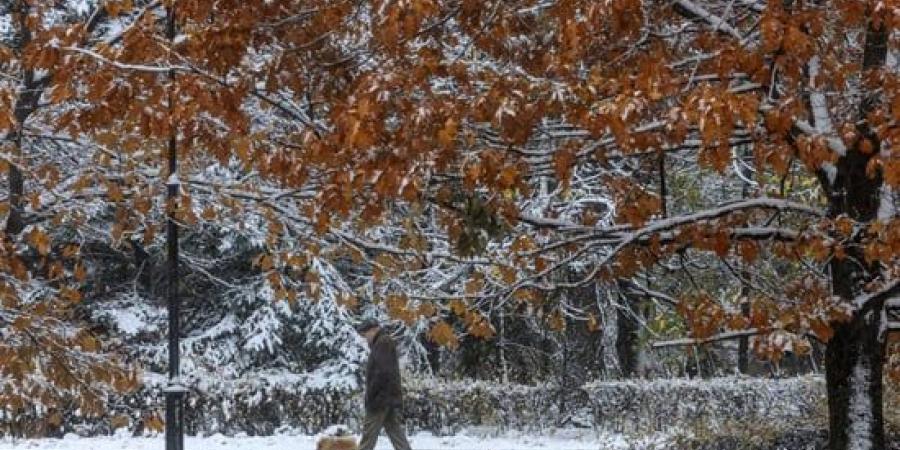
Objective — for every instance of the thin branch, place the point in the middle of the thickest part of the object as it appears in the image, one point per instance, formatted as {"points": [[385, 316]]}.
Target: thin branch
{"points": [[868, 301], [717, 22], [125, 66], [728, 335]]}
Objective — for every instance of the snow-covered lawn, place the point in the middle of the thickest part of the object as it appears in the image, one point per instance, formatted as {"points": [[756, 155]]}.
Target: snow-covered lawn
{"points": [[422, 441]]}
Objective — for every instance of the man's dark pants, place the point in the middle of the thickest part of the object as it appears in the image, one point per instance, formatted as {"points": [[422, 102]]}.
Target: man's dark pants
{"points": [[389, 419]]}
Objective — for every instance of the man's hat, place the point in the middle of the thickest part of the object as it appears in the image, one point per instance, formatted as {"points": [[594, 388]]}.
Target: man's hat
{"points": [[367, 325]]}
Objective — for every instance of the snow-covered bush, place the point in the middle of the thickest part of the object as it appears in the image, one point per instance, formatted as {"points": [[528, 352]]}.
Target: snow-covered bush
{"points": [[262, 404]]}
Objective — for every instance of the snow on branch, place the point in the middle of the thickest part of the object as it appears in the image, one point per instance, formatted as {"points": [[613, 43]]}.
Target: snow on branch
{"points": [[125, 66], [674, 222], [870, 300], [642, 290], [717, 22], [298, 115], [714, 213], [835, 144], [621, 239], [728, 335]]}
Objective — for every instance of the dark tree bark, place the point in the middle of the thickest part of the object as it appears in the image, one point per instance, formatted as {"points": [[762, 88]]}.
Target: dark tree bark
{"points": [[433, 355], [744, 341], [627, 329], [854, 356], [26, 104], [744, 344], [853, 372]]}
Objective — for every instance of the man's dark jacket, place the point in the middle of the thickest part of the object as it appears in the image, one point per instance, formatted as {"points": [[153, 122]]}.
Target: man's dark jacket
{"points": [[383, 375]]}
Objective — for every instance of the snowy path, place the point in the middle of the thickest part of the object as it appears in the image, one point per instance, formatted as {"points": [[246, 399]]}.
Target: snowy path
{"points": [[287, 442]]}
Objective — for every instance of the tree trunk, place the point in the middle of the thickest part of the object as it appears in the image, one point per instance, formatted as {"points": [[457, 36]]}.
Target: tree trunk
{"points": [[15, 222], [744, 344], [854, 356], [627, 341], [433, 355], [744, 341], [26, 103], [853, 363], [501, 343]]}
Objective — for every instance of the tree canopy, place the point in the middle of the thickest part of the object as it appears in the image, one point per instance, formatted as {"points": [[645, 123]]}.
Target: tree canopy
{"points": [[483, 158]]}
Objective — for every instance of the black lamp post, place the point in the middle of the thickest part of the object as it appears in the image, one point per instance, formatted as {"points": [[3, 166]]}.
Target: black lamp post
{"points": [[175, 389]]}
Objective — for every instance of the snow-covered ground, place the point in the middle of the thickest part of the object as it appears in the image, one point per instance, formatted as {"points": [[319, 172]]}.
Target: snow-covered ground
{"points": [[422, 441]]}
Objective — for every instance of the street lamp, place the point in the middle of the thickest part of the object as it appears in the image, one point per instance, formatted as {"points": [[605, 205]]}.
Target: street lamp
{"points": [[175, 390]]}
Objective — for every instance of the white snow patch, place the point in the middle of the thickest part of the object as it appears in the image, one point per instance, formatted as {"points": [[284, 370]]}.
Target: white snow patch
{"points": [[887, 208], [80, 7], [131, 315], [830, 172], [288, 440], [860, 408], [128, 322], [893, 58]]}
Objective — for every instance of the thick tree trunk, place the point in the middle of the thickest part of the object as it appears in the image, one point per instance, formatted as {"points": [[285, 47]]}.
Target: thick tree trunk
{"points": [[26, 103], [15, 222], [853, 361], [854, 356], [627, 341]]}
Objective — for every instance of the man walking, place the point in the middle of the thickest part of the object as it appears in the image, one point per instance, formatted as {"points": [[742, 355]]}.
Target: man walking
{"points": [[383, 394]]}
